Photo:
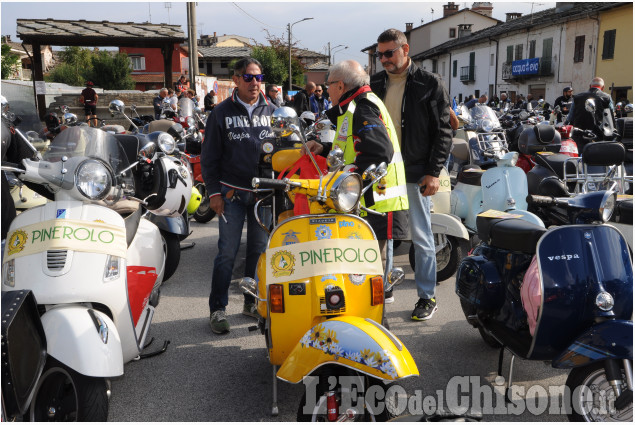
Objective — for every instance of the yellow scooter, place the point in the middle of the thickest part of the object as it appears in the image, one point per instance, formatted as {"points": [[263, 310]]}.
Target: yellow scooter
{"points": [[320, 293]]}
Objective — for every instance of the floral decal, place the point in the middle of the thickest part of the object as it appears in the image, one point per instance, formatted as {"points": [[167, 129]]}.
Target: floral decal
{"points": [[327, 340]]}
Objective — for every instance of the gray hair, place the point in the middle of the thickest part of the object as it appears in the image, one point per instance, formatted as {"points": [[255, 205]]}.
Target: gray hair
{"points": [[350, 73], [163, 90], [598, 82]]}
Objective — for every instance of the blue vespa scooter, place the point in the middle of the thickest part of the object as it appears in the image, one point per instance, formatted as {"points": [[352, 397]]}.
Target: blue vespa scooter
{"points": [[563, 295]]}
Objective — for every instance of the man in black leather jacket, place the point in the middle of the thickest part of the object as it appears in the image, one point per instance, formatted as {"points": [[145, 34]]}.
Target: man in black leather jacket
{"points": [[419, 106], [580, 118]]}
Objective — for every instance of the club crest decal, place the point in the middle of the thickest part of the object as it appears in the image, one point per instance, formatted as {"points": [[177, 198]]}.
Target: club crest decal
{"points": [[17, 241], [282, 263], [323, 232]]}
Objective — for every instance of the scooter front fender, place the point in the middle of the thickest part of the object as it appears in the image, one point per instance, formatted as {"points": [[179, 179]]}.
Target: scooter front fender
{"points": [[353, 342], [177, 225], [612, 339], [74, 337], [448, 225]]}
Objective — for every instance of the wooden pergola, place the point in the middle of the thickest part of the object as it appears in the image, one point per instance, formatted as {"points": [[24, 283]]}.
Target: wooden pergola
{"points": [[39, 32]]}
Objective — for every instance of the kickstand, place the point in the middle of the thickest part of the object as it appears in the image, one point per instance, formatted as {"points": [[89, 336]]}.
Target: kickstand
{"points": [[154, 353], [511, 371], [185, 246]]}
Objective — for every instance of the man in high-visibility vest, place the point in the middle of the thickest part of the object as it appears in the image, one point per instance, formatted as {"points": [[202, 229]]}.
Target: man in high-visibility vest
{"points": [[366, 135]]}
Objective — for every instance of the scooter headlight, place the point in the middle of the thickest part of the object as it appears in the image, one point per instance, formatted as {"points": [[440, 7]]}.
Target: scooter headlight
{"points": [[346, 191], [604, 301], [166, 143], [93, 179], [191, 122], [487, 126], [608, 206]]}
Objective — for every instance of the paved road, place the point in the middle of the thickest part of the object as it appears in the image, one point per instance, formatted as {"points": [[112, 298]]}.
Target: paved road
{"points": [[207, 377]]}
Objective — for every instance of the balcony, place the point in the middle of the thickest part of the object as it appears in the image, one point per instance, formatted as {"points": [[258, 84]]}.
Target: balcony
{"points": [[467, 73]]}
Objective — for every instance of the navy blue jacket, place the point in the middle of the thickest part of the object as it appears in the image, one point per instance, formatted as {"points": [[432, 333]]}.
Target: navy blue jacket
{"points": [[231, 148]]}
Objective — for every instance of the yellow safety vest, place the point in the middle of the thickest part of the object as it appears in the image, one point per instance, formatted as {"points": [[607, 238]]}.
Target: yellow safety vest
{"points": [[390, 193]]}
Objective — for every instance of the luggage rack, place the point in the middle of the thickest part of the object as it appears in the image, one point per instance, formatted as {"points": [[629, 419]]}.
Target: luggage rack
{"points": [[601, 167]]}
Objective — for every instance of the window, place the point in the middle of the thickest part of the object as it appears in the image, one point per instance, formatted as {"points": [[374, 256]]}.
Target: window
{"points": [[455, 65], [491, 59], [137, 63], [477, 93], [578, 51], [434, 66], [609, 44], [532, 49], [510, 54], [223, 64], [452, 32], [443, 69], [519, 52]]}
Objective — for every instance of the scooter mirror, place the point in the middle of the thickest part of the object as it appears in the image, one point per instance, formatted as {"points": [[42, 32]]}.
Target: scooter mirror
{"points": [[335, 159], [369, 172], [248, 286], [382, 170], [133, 108], [116, 107], [589, 105], [395, 277], [285, 122]]}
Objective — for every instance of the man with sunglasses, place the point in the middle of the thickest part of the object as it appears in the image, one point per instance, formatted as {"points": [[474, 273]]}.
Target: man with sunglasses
{"points": [[229, 161], [318, 101], [420, 109]]}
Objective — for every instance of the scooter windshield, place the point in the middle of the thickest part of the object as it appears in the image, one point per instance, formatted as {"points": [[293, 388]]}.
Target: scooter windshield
{"points": [[186, 107], [87, 142], [483, 117]]}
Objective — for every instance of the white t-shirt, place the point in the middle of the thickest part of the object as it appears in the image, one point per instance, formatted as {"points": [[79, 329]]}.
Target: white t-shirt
{"points": [[250, 108]]}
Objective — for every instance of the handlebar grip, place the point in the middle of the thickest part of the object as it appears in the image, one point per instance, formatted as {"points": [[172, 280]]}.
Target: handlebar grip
{"points": [[264, 183], [540, 200]]}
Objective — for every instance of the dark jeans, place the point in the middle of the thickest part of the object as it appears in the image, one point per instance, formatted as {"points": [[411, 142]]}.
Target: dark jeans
{"points": [[236, 209]]}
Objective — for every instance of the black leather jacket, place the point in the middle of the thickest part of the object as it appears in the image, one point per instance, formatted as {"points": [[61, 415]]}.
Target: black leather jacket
{"points": [[426, 135], [588, 121]]}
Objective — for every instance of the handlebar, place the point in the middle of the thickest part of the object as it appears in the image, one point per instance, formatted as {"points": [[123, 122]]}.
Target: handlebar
{"points": [[546, 200], [264, 183]]}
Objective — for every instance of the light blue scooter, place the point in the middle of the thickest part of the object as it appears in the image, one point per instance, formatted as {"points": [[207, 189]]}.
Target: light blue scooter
{"points": [[500, 188]]}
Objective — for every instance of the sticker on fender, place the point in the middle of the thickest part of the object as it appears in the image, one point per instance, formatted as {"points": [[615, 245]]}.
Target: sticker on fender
{"points": [[61, 234], [309, 259], [498, 214]]}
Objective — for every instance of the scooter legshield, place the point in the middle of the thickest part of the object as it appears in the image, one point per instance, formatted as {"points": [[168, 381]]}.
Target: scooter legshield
{"points": [[73, 337], [612, 339], [352, 342]]}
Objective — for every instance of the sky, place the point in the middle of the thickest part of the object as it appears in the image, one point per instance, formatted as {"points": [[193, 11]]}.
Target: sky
{"points": [[355, 25]]}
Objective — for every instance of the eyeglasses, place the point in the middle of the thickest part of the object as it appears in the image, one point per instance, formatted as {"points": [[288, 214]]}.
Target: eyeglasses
{"points": [[249, 77], [387, 53]]}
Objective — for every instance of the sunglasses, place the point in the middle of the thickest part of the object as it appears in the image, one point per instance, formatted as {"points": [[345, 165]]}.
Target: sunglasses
{"points": [[247, 78], [387, 53]]}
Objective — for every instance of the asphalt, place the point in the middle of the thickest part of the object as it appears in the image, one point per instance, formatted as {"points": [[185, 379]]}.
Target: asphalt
{"points": [[210, 378]]}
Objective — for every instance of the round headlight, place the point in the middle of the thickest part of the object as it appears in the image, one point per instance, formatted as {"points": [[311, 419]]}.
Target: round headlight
{"points": [[604, 301], [346, 191], [607, 206], [166, 143], [93, 179], [191, 122], [487, 126]]}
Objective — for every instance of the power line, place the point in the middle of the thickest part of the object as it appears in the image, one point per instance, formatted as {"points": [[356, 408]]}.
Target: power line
{"points": [[255, 18]]}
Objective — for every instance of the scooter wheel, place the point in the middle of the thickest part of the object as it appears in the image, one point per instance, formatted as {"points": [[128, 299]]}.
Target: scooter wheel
{"points": [[204, 213], [448, 258], [64, 395], [592, 397], [172, 249]]}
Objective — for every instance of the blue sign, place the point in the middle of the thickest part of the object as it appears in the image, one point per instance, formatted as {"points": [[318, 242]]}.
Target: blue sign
{"points": [[526, 66]]}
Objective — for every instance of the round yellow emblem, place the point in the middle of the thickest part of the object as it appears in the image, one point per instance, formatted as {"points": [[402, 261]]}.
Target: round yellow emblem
{"points": [[17, 241], [282, 263]]}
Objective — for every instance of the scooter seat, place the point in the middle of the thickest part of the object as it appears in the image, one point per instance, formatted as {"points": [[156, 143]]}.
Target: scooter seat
{"points": [[603, 154], [555, 163], [470, 176], [513, 234]]}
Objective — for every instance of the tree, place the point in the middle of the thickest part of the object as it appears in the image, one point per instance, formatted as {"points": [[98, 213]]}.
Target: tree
{"points": [[9, 62], [275, 61], [75, 67], [111, 71]]}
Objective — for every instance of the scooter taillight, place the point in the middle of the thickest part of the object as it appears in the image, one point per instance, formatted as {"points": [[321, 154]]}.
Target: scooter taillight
{"points": [[276, 298], [331, 406], [377, 290]]}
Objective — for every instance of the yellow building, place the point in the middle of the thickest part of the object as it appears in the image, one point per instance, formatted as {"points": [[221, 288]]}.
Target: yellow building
{"points": [[615, 52]]}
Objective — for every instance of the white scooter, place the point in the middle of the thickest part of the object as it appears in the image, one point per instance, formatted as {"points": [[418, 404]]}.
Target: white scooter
{"points": [[96, 274], [500, 188]]}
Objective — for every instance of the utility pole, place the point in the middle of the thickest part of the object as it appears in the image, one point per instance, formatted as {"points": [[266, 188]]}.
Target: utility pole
{"points": [[339, 45], [193, 47], [289, 27]]}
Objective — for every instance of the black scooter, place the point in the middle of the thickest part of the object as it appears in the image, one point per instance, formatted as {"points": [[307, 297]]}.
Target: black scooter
{"points": [[563, 295]]}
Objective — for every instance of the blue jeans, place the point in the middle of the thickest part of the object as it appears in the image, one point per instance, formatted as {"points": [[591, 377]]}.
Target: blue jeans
{"points": [[423, 241], [236, 209]]}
